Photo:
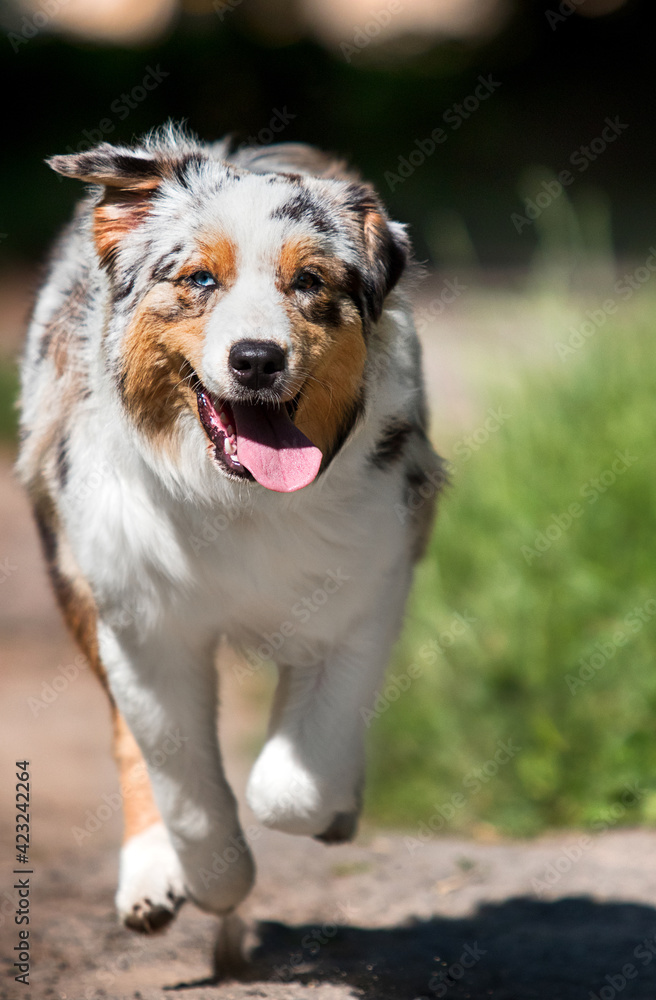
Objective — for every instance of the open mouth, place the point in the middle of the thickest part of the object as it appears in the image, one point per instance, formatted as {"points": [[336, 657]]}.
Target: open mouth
{"points": [[259, 441]]}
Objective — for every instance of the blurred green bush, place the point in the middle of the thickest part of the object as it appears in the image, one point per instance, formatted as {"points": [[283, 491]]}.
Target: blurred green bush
{"points": [[532, 626], [8, 395]]}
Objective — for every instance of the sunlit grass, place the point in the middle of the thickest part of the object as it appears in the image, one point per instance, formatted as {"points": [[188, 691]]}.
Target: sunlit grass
{"points": [[8, 395], [546, 548]]}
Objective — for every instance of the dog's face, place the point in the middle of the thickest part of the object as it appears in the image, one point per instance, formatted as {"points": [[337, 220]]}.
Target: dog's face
{"points": [[247, 298]]}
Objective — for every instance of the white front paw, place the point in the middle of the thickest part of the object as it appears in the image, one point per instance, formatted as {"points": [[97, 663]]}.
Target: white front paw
{"points": [[151, 885]]}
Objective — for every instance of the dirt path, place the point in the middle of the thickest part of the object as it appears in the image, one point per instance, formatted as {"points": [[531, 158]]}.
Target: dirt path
{"points": [[554, 919]]}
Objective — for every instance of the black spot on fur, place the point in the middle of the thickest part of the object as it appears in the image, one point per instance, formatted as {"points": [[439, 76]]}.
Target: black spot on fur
{"points": [[391, 443], [44, 346], [318, 310], [120, 386], [303, 208], [45, 526], [136, 166], [61, 461], [163, 268], [180, 168], [122, 289], [331, 314], [355, 290], [432, 482]]}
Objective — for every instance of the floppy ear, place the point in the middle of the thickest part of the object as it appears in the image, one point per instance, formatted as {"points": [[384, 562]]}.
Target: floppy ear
{"points": [[387, 248], [130, 179]]}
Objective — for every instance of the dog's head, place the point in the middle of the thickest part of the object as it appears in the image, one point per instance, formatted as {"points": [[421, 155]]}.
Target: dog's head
{"points": [[245, 297]]}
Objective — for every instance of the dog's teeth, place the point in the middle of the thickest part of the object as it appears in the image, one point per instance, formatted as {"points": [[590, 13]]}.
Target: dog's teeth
{"points": [[230, 429], [229, 447], [224, 419]]}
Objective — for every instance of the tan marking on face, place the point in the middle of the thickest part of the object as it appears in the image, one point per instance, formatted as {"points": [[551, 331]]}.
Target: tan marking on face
{"points": [[333, 361], [139, 809], [168, 329], [328, 357], [220, 258], [295, 255]]}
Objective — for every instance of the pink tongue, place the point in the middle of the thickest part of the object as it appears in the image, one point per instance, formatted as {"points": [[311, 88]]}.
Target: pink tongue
{"points": [[273, 449]]}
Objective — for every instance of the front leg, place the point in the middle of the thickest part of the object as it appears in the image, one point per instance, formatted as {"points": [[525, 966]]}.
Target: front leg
{"points": [[308, 778], [166, 689]]}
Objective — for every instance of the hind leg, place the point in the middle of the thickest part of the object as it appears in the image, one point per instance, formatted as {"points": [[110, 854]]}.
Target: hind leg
{"points": [[151, 884]]}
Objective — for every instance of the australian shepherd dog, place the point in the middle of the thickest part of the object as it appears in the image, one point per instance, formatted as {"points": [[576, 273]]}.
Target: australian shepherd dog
{"points": [[223, 417]]}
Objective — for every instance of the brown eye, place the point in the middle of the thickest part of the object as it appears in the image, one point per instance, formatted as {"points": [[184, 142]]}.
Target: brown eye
{"points": [[306, 281]]}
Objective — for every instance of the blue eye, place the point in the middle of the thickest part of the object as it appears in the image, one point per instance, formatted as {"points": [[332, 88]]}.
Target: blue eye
{"points": [[203, 279]]}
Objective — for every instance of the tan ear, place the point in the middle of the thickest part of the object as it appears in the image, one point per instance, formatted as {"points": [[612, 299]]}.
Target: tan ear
{"points": [[130, 179]]}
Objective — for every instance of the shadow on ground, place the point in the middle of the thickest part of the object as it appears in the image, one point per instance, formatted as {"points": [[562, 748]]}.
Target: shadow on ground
{"points": [[517, 950]]}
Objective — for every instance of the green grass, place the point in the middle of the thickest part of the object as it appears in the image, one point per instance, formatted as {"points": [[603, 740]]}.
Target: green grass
{"points": [[537, 615], [8, 395]]}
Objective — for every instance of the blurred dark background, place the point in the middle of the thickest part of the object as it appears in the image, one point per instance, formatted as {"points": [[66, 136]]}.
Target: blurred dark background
{"points": [[367, 80]]}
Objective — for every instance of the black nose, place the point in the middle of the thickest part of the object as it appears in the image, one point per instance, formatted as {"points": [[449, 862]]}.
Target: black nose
{"points": [[256, 364]]}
